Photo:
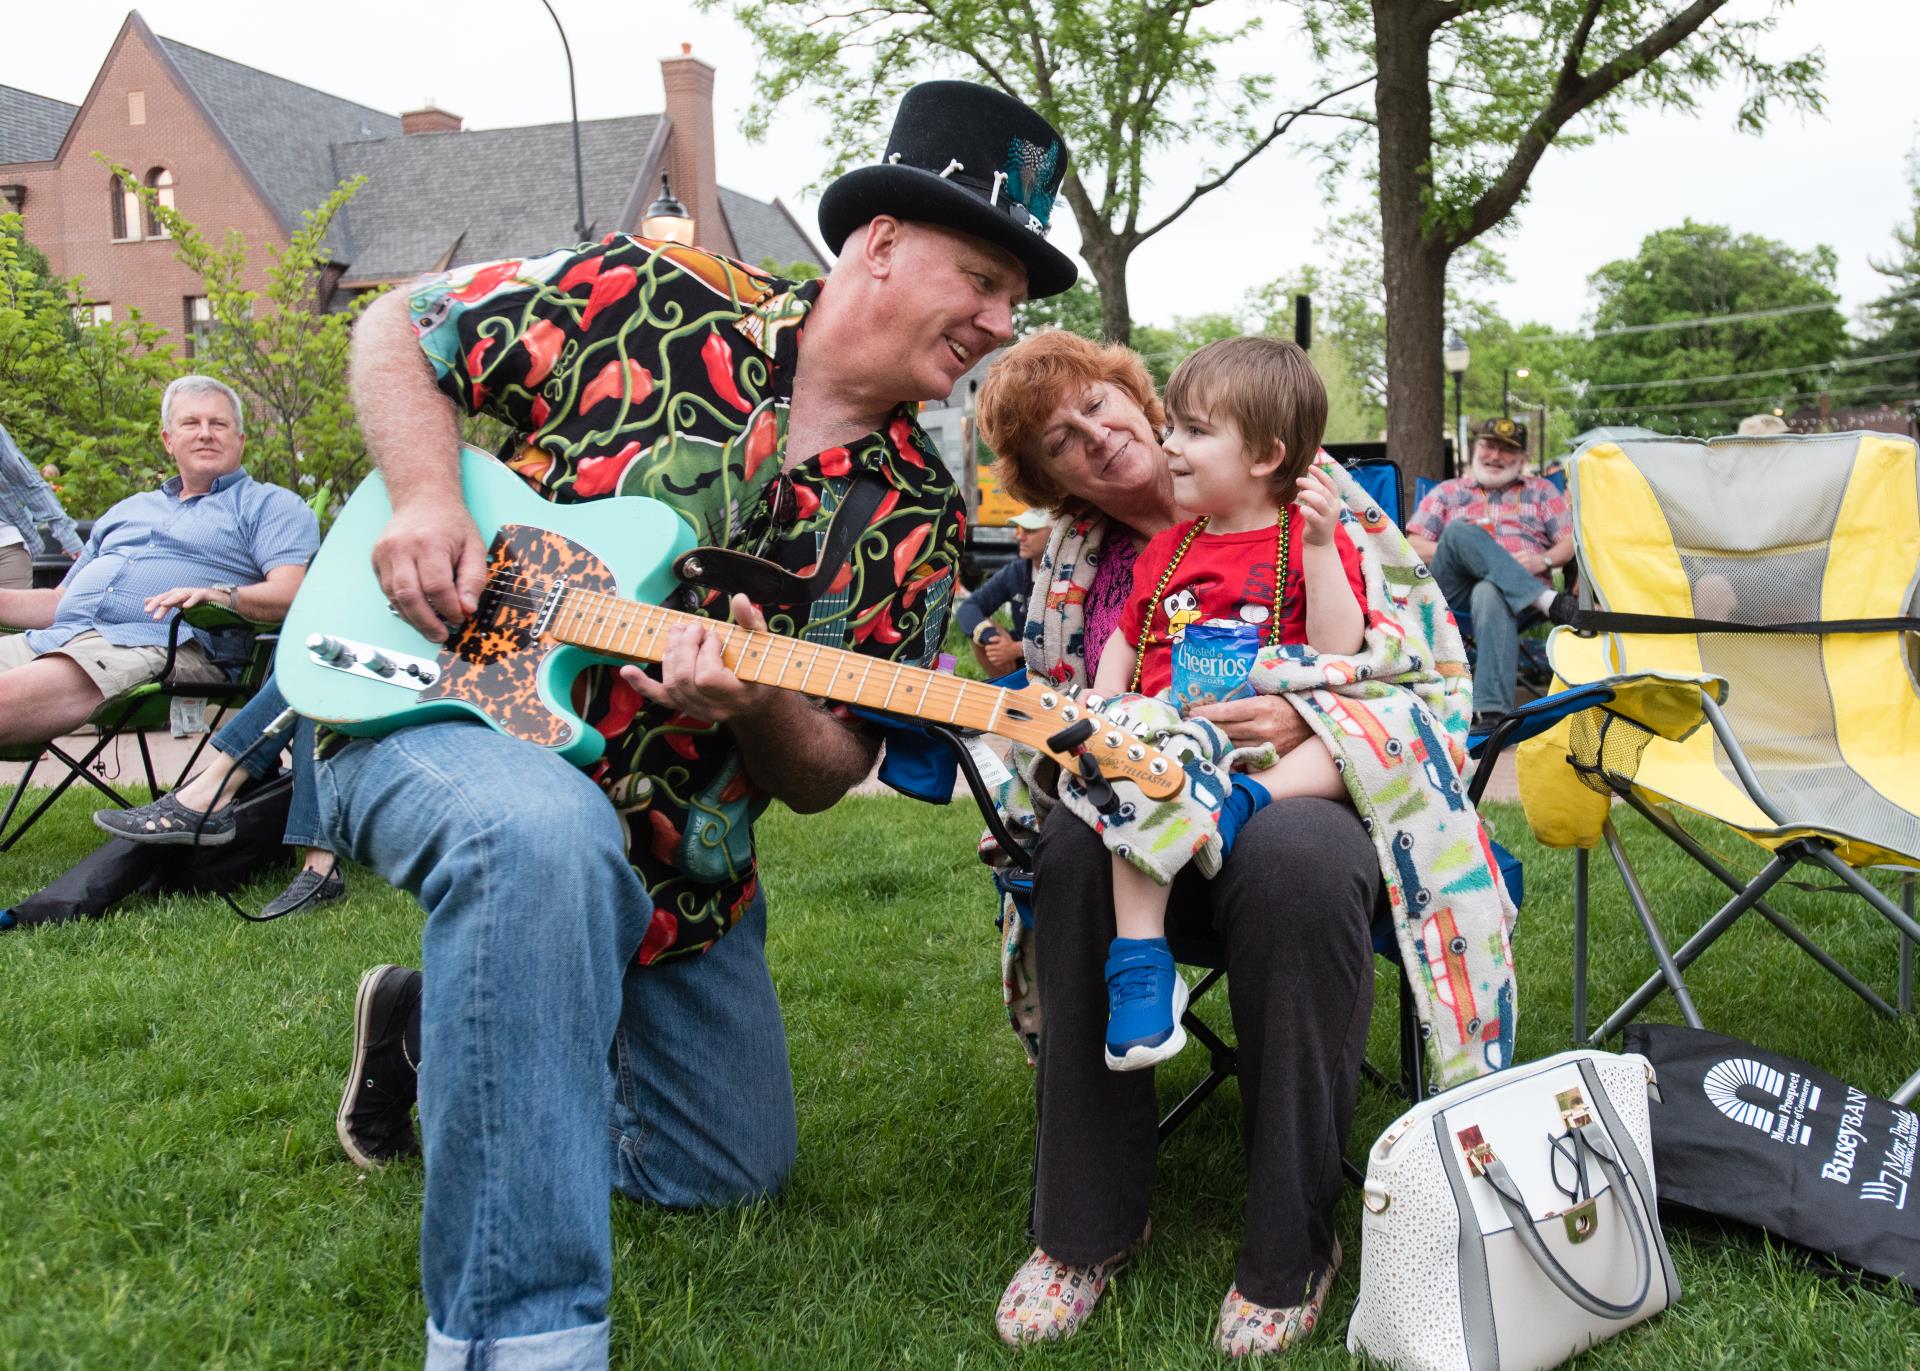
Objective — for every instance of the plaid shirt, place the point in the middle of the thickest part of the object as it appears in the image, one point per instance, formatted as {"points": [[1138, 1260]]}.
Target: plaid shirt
{"points": [[1531, 515]]}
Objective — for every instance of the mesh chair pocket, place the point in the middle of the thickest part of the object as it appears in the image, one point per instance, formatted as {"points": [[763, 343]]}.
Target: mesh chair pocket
{"points": [[1603, 744]]}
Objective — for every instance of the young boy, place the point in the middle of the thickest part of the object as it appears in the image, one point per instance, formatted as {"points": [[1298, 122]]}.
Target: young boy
{"points": [[1246, 417]]}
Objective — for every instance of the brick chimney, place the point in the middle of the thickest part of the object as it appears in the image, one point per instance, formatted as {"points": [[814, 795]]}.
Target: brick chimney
{"points": [[429, 119], [690, 160]]}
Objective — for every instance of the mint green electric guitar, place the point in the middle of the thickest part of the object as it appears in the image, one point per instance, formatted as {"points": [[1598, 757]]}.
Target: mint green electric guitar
{"points": [[568, 586]]}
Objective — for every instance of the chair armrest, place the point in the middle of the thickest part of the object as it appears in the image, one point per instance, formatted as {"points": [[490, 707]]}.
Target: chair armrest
{"points": [[209, 616]]}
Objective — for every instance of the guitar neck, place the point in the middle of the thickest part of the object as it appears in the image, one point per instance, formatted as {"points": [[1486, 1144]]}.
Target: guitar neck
{"points": [[638, 632]]}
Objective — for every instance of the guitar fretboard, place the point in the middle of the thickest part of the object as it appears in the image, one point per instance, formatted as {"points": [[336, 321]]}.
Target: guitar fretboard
{"points": [[630, 629]]}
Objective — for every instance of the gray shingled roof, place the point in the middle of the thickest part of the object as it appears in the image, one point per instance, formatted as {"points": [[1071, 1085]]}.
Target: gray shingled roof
{"points": [[762, 231], [501, 192], [282, 130], [31, 126]]}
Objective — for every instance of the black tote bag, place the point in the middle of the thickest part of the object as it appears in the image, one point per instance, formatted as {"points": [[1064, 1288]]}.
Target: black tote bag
{"points": [[1751, 1135]]}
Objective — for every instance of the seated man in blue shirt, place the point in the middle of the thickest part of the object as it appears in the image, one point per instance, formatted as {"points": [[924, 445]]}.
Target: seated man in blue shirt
{"points": [[998, 651], [209, 534]]}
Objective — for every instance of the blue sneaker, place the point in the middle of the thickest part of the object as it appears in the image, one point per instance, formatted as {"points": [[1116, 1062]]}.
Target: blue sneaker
{"points": [[1145, 999]]}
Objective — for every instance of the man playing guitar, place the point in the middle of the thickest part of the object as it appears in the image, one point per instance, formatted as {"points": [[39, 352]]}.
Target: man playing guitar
{"points": [[577, 984]]}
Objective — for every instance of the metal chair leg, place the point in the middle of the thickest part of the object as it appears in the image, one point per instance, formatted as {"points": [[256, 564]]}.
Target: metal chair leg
{"points": [[1791, 931], [1904, 1095], [1580, 855], [1905, 994], [1669, 972], [1672, 964]]}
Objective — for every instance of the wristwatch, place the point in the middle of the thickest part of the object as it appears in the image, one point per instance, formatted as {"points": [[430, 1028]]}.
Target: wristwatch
{"points": [[231, 592]]}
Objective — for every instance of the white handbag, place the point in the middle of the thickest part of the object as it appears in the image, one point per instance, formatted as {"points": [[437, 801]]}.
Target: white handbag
{"points": [[1511, 1222]]}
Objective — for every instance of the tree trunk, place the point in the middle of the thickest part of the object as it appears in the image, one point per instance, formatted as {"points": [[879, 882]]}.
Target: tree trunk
{"points": [[1105, 253], [1108, 262], [1414, 259]]}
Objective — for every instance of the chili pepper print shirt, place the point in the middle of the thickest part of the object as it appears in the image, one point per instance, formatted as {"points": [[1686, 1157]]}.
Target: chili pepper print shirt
{"points": [[632, 367]]}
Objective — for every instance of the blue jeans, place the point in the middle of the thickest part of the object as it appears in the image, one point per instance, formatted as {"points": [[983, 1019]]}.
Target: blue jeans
{"points": [[552, 1070], [1476, 574], [243, 730]]}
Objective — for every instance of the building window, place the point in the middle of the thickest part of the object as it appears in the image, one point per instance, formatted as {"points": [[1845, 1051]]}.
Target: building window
{"points": [[199, 323], [90, 314], [125, 207], [136, 107], [160, 182]]}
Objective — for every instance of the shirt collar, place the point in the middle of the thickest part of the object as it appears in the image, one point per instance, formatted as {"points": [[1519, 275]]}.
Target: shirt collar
{"points": [[172, 485], [773, 323]]}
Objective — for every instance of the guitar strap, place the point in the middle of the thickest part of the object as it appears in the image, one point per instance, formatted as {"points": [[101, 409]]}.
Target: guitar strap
{"points": [[768, 583]]}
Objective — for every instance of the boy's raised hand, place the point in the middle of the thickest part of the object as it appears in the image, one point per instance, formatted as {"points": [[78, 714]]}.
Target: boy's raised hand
{"points": [[1319, 503]]}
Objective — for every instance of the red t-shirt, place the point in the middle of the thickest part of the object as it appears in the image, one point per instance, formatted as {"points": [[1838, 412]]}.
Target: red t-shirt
{"points": [[1223, 576]]}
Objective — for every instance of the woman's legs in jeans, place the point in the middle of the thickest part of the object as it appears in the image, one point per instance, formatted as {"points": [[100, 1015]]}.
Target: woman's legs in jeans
{"points": [[1294, 905]]}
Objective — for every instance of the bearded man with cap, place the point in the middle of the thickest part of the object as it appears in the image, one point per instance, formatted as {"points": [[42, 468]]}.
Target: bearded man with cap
{"points": [[996, 650], [595, 1010], [1492, 539]]}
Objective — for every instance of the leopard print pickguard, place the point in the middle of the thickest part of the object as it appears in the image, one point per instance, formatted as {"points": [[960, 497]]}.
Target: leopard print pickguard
{"points": [[494, 662]]}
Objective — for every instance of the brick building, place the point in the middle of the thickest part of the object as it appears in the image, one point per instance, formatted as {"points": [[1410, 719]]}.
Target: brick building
{"points": [[236, 148]]}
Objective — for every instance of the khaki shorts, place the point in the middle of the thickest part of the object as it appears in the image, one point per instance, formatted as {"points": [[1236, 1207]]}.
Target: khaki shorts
{"points": [[16, 567], [116, 670]]}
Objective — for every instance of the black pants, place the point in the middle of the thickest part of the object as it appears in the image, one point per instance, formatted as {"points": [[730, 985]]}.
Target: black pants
{"points": [[1293, 905]]}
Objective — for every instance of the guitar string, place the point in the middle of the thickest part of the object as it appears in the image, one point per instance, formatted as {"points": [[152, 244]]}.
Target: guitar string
{"points": [[536, 594]]}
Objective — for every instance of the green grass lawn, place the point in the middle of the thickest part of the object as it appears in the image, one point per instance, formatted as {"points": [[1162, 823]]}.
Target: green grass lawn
{"points": [[171, 1193]]}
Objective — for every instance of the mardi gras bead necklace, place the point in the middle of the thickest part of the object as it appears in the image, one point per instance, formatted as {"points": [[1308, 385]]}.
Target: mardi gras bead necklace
{"points": [[1147, 636]]}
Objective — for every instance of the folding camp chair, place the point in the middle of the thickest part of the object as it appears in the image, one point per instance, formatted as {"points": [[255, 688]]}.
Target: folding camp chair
{"points": [[245, 645], [1764, 589]]}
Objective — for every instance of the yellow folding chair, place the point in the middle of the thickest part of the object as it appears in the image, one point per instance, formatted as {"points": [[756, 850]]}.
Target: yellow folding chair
{"points": [[1767, 587]]}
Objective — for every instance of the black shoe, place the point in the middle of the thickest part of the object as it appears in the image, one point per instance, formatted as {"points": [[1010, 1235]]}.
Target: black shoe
{"points": [[375, 1123], [308, 890], [1565, 608], [166, 820], [1486, 721]]}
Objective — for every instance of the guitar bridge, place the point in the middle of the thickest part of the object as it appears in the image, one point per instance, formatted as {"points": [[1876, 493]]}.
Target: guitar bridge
{"points": [[549, 605]]}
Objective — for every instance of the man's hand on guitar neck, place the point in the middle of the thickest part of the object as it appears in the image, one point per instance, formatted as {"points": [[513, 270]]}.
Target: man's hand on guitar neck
{"points": [[793, 749], [695, 680]]}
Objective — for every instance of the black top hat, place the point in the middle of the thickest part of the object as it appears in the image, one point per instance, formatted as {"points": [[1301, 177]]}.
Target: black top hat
{"points": [[969, 158], [1510, 432]]}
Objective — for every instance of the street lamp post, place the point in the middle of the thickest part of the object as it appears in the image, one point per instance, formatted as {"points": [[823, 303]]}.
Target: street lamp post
{"points": [[1455, 357], [579, 177]]}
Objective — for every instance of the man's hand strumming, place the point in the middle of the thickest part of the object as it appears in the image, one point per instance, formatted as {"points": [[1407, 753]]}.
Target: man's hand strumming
{"points": [[431, 563]]}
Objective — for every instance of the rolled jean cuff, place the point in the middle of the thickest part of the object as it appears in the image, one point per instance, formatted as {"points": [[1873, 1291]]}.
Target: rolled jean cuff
{"points": [[567, 1349]]}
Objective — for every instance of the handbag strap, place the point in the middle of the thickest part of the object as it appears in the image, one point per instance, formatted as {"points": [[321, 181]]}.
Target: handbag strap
{"points": [[1504, 1189]]}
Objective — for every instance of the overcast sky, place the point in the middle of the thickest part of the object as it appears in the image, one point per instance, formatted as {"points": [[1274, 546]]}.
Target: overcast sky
{"points": [[1837, 179]]}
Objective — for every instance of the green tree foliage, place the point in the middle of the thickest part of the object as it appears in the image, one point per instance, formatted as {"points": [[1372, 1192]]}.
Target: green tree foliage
{"points": [[85, 399], [1893, 320], [1705, 378], [284, 349], [1076, 309], [1122, 80], [792, 271], [1468, 95]]}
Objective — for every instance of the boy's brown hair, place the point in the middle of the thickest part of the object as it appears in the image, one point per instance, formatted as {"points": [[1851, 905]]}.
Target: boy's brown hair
{"points": [[1267, 389]]}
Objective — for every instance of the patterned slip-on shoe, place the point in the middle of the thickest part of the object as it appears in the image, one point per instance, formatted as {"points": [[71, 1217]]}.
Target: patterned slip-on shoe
{"points": [[1048, 1300], [307, 890], [1253, 1330], [166, 820]]}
